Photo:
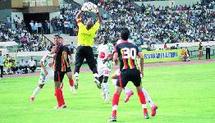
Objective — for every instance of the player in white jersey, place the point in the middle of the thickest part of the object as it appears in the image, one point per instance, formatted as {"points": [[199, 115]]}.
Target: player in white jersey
{"points": [[104, 65], [46, 73]]}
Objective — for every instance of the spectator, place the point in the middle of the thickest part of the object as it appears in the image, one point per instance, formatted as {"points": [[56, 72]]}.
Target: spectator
{"points": [[185, 54], [40, 27], [165, 46], [8, 63], [208, 51], [200, 50], [32, 25], [23, 66], [32, 64], [36, 27], [14, 68], [46, 26]]}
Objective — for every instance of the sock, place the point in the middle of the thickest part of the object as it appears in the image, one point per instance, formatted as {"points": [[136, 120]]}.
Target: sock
{"points": [[115, 103], [105, 90], [59, 97], [105, 84], [103, 87], [71, 82], [142, 101], [96, 75], [76, 75], [148, 98], [36, 91]]}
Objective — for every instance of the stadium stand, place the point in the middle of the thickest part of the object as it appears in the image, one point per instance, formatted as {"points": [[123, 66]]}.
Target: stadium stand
{"points": [[160, 25]]}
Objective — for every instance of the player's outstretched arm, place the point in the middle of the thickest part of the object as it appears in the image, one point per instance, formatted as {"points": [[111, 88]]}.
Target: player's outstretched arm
{"points": [[79, 15], [115, 58], [65, 57], [141, 63], [99, 17]]}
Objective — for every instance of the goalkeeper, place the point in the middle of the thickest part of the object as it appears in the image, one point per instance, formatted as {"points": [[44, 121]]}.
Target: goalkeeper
{"points": [[86, 35]]}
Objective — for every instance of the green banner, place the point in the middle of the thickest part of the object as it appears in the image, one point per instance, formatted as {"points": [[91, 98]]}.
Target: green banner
{"points": [[161, 56]]}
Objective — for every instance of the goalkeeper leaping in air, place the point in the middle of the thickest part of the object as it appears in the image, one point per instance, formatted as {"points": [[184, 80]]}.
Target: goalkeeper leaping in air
{"points": [[86, 35]]}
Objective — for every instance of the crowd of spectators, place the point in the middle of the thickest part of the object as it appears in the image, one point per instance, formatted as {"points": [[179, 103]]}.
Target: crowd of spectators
{"points": [[40, 27], [65, 22], [16, 30], [159, 25], [12, 66]]}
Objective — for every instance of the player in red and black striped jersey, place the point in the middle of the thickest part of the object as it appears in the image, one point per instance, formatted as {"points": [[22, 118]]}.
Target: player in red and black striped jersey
{"points": [[127, 53], [61, 67]]}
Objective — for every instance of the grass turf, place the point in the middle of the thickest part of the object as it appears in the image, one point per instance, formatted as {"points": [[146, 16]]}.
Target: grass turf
{"points": [[184, 94]]}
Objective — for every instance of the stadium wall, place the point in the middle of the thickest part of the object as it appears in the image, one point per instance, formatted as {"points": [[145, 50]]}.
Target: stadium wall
{"points": [[5, 4], [5, 13], [193, 44], [79, 1]]}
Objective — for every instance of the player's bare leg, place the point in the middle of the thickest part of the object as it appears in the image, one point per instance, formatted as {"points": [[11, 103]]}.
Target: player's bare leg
{"points": [[105, 89], [115, 102], [151, 103], [41, 83], [71, 82], [128, 94], [36, 92], [76, 80], [142, 101]]}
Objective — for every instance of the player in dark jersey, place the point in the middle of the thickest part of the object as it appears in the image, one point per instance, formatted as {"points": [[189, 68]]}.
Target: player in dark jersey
{"points": [[127, 53], [68, 57], [61, 67]]}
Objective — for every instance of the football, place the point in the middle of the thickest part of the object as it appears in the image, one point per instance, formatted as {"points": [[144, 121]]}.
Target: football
{"points": [[90, 7]]}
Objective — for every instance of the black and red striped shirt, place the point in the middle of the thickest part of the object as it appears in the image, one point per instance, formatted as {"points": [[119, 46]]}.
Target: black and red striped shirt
{"points": [[59, 62], [127, 53]]}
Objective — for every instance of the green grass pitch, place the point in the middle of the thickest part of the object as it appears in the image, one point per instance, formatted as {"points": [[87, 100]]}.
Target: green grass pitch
{"points": [[184, 94]]}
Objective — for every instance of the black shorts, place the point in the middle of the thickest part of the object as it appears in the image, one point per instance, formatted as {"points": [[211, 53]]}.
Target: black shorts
{"points": [[85, 52], [129, 75], [58, 76]]}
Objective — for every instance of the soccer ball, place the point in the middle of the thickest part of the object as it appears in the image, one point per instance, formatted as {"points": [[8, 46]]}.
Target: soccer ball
{"points": [[90, 7]]}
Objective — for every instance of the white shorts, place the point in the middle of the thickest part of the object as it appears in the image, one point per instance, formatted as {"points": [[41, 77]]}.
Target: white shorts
{"points": [[104, 71], [50, 74], [43, 79]]}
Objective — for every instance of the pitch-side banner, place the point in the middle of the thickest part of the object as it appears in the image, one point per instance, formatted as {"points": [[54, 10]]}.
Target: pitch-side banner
{"points": [[161, 56]]}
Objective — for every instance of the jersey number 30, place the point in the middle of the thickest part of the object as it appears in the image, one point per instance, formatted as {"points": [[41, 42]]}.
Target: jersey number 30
{"points": [[129, 53]]}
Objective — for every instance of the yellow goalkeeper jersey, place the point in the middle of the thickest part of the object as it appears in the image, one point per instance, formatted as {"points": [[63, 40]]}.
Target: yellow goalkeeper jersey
{"points": [[86, 37]]}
